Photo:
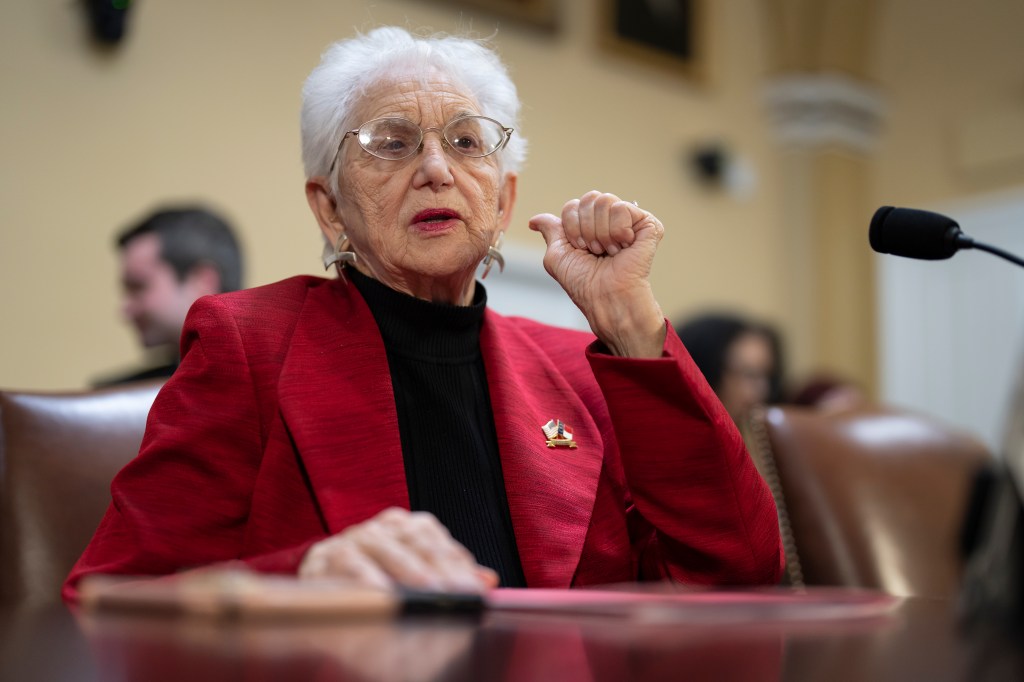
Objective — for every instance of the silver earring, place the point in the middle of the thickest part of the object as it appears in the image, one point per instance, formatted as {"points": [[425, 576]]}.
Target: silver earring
{"points": [[494, 255], [339, 256]]}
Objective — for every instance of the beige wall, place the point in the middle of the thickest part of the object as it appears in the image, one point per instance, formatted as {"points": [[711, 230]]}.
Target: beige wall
{"points": [[953, 77], [201, 102]]}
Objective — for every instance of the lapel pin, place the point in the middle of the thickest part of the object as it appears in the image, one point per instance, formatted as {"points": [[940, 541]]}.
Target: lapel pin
{"points": [[558, 434]]}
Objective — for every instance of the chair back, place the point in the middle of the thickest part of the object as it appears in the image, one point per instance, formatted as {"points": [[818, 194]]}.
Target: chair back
{"points": [[875, 497], [58, 455]]}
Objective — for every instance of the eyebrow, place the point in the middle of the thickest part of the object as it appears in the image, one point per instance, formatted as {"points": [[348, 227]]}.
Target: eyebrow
{"points": [[458, 114]]}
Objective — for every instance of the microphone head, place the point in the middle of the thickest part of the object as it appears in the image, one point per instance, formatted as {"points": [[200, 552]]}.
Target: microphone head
{"points": [[913, 233]]}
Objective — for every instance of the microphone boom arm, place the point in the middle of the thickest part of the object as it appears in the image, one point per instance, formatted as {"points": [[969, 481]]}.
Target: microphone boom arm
{"points": [[965, 242]]}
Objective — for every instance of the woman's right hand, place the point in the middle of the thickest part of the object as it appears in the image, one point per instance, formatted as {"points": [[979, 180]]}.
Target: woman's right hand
{"points": [[398, 548]]}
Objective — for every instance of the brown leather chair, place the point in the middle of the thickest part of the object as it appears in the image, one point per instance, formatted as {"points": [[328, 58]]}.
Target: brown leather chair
{"points": [[875, 497], [58, 454]]}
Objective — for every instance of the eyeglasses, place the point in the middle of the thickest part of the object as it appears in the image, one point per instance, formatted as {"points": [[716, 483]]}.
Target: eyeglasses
{"points": [[394, 139], [749, 374]]}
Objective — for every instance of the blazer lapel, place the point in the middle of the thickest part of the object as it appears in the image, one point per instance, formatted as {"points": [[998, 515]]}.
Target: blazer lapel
{"points": [[551, 491], [336, 398]]}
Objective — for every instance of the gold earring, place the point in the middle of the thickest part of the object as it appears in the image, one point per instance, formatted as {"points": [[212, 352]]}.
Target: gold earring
{"points": [[494, 254]]}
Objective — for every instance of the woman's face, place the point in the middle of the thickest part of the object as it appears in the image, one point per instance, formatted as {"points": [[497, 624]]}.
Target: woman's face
{"points": [[421, 224], [746, 376]]}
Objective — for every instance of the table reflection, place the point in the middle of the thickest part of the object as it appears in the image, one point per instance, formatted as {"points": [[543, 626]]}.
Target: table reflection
{"points": [[919, 639]]}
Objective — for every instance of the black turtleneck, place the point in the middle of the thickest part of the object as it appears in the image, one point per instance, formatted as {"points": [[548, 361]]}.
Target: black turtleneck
{"points": [[445, 419]]}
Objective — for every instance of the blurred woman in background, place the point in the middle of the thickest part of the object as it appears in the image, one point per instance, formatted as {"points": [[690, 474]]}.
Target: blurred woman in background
{"points": [[740, 358]]}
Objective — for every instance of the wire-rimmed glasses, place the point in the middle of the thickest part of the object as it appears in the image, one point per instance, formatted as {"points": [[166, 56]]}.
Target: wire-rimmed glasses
{"points": [[395, 138]]}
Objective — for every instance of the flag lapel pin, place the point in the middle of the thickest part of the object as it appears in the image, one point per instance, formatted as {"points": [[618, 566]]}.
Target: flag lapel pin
{"points": [[558, 434]]}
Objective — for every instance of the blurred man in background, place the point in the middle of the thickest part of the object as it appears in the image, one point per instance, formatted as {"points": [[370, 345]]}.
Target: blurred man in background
{"points": [[168, 260]]}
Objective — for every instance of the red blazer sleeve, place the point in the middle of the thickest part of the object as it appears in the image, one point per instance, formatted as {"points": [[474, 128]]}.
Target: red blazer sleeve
{"points": [[701, 512], [204, 434]]}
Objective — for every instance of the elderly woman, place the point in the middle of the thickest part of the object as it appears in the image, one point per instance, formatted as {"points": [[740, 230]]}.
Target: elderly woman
{"points": [[309, 416]]}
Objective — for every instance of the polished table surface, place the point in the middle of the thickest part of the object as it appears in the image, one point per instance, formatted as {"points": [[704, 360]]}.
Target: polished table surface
{"points": [[916, 639]]}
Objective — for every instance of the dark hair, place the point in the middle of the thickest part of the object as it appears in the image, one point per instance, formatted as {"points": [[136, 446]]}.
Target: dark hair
{"points": [[707, 337], [190, 237]]}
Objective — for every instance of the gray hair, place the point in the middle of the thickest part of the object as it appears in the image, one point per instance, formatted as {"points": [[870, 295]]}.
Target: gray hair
{"points": [[349, 68]]}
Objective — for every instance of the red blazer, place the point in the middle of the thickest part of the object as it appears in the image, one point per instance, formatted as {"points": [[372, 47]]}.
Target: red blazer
{"points": [[279, 429]]}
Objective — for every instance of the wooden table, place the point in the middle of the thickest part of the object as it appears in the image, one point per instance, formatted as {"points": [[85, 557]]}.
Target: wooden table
{"points": [[917, 640]]}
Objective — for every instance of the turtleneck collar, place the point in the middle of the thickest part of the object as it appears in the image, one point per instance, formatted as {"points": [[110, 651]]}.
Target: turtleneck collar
{"points": [[414, 327]]}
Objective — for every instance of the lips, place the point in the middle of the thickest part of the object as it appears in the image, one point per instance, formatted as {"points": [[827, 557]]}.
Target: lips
{"points": [[438, 217]]}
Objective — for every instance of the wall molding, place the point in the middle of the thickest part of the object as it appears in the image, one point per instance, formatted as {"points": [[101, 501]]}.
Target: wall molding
{"points": [[818, 110]]}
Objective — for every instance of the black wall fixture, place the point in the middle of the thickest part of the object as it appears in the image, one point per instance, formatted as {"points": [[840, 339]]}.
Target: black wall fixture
{"points": [[107, 19]]}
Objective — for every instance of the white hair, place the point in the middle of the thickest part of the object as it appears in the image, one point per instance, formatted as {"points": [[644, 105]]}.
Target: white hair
{"points": [[349, 68]]}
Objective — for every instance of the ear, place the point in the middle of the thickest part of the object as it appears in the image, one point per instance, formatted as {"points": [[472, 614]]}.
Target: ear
{"points": [[324, 208], [203, 279], [506, 200]]}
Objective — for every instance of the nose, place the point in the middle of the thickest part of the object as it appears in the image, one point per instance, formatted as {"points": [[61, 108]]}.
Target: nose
{"points": [[130, 305], [433, 165]]}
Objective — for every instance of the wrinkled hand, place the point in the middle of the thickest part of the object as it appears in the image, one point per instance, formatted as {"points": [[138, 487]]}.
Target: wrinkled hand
{"points": [[601, 251], [398, 548]]}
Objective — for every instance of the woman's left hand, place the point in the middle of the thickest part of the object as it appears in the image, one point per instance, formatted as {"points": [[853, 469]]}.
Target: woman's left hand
{"points": [[601, 251]]}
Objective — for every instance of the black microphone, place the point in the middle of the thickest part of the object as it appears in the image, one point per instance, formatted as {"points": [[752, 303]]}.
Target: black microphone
{"points": [[914, 233]]}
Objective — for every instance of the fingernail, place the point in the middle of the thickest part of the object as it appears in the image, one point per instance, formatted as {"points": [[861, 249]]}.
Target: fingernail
{"points": [[581, 242], [612, 249], [595, 247]]}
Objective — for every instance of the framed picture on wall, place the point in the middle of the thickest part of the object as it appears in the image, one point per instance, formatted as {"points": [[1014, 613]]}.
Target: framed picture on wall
{"points": [[539, 13], [665, 33]]}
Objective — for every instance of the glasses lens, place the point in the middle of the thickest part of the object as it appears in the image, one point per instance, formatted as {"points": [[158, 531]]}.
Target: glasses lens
{"points": [[474, 135], [390, 138]]}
